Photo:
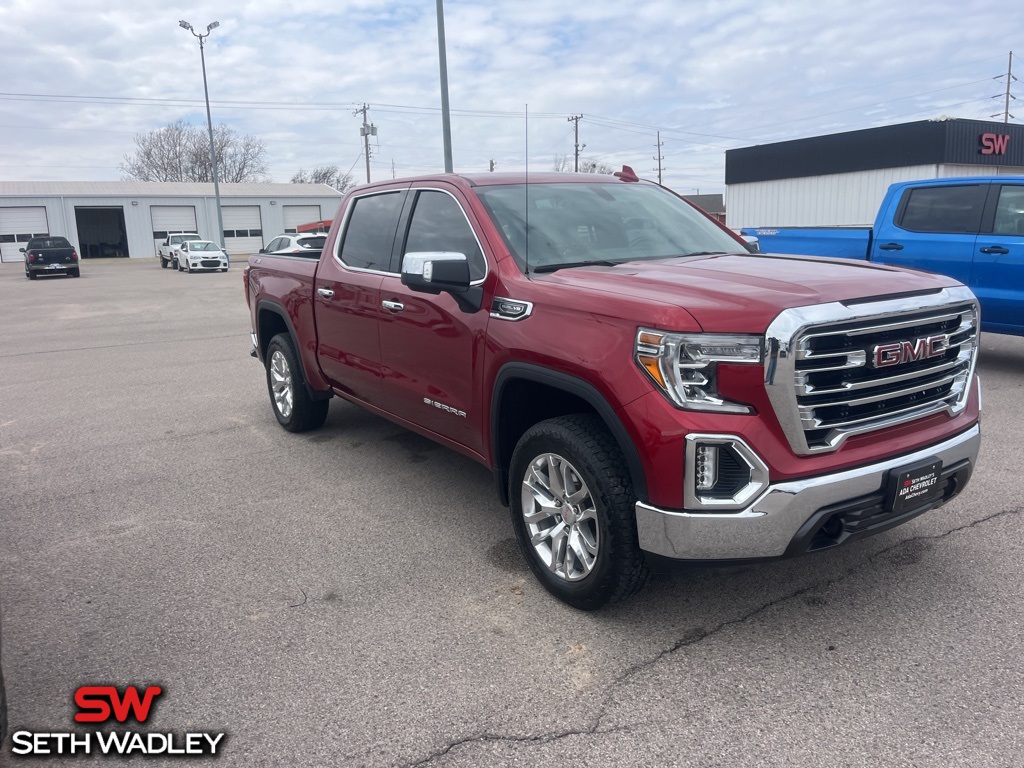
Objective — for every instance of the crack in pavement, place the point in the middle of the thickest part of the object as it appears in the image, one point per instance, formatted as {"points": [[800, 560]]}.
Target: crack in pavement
{"points": [[692, 638], [545, 738], [118, 346]]}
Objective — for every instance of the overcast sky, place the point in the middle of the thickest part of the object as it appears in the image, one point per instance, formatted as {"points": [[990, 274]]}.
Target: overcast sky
{"points": [[79, 80]]}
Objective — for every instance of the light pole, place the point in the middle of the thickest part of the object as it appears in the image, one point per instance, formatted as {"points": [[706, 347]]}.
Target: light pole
{"points": [[446, 120], [209, 123]]}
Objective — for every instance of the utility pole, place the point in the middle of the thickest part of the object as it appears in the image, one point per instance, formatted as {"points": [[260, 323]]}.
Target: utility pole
{"points": [[659, 157], [366, 131], [1009, 79], [576, 146]]}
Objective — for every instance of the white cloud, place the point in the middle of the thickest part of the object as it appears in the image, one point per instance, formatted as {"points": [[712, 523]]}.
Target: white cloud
{"points": [[710, 76]]}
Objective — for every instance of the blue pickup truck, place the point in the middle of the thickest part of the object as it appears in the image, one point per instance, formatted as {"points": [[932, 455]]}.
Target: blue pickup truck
{"points": [[970, 228]]}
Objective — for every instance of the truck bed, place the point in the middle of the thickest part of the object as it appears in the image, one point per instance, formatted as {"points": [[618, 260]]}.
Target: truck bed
{"points": [[842, 242]]}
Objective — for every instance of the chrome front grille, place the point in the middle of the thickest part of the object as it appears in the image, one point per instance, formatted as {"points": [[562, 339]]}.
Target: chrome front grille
{"points": [[842, 369]]}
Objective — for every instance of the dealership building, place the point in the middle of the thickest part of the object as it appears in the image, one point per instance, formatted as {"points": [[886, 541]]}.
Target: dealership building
{"points": [[131, 218], [840, 179]]}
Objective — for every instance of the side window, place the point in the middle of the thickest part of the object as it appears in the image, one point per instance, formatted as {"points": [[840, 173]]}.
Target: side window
{"points": [[438, 224], [370, 232], [943, 209], [275, 244], [1010, 211]]}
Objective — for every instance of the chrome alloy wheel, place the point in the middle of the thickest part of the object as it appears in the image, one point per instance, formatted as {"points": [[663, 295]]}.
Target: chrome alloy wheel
{"points": [[281, 383], [561, 517]]}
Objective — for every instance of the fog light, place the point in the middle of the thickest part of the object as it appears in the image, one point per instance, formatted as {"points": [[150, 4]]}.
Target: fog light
{"points": [[707, 466], [722, 473]]}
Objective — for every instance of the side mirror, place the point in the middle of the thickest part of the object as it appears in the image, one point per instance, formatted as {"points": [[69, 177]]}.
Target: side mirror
{"points": [[753, 244], [442, 271], [263, 250], [21, 250]]}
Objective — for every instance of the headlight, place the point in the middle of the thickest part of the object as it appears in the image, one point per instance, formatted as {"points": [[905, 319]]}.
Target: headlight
{"points": [[684, 365]]}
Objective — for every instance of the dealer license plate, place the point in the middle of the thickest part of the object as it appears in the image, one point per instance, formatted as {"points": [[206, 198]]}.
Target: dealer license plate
{"points": [[55, 266], [916, 486]]}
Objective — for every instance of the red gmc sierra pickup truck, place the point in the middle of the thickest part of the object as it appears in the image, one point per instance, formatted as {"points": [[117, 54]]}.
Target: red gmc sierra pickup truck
{"points": [[637, 381]]}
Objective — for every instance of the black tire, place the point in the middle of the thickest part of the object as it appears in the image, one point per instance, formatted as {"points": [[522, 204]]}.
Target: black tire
{"points": [[163, 263], [583, 443], [306, 413], [177, 265], [75, 272], [31, 275]]}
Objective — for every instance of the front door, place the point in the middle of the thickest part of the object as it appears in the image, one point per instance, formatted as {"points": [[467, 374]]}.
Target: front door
{"points": [[431, 351]]}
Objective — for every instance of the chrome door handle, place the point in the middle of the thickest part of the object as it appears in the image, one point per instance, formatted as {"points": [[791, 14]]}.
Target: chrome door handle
{"points": [[327, 293], [394, 306]]}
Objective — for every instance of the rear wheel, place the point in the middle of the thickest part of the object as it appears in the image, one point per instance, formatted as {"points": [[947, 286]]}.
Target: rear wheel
{"points": [[163, 263], [572, 509], [295, 410], [77, 272], [30, 274]]}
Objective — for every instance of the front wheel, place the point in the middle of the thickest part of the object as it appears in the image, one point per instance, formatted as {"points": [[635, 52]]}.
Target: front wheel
{"points": [[295, 410], [163, 263], [572, 509]]}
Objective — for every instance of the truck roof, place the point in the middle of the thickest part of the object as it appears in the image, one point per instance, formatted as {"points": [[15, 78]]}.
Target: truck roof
{"points": [[485, 179]]}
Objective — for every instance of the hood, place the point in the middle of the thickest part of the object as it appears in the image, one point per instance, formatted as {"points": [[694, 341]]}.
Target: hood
{"points": [[735, 293]]}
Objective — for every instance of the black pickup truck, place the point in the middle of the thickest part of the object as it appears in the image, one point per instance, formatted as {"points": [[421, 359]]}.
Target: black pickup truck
{"points": [[50, 256]]}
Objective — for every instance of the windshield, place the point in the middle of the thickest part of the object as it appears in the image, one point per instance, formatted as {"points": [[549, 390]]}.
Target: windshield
{"points": [[575, 224], [179, 239], [203, 247]]}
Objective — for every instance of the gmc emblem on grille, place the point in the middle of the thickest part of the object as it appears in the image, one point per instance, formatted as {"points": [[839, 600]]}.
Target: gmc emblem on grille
{"points": [[900, 352]]}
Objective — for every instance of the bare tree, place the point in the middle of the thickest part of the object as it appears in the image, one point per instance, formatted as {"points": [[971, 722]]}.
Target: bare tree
{"points": [[565, 164], [330, 175], [181, 152]]}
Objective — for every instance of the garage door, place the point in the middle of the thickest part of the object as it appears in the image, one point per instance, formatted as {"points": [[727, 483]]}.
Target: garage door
{"points": [[243, 232], [171, 218], [300, 214], [17, 225]]}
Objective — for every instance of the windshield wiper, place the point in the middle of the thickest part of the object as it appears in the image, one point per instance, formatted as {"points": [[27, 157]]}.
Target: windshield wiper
{"points": [[704, 253], [567, 264]]}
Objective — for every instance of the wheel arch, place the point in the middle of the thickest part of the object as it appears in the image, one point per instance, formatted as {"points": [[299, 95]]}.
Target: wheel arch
{"points": [[272, 319], [550, 394]]}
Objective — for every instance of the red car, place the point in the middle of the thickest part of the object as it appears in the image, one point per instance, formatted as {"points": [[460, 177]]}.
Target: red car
{"points": [[637, 381]]}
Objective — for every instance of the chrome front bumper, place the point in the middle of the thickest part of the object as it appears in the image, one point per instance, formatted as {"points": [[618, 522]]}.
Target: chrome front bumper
{"points": [[768, 526]]}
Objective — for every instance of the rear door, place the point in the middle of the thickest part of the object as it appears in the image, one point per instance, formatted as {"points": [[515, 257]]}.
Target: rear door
{"points": [[998, 278], [346, 293], [935, 229]]}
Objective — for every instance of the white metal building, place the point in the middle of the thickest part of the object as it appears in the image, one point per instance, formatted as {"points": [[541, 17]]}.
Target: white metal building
{"points": [[130, 218], [840, 179]]}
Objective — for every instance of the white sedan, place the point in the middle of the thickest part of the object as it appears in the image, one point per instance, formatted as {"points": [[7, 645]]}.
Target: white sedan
{"points": [[202, 256]]}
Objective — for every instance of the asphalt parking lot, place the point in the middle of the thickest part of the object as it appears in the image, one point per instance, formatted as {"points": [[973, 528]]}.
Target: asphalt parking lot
{"points": [[354, 595]]}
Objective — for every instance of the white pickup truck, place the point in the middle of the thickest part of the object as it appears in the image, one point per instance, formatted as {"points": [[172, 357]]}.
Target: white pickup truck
{"points": [[168, 249]]}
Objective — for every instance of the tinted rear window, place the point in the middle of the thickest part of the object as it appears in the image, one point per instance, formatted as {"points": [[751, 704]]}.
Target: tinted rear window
{"points": [[313, 242], [48, 242], [949, 209], [370, 233]]}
